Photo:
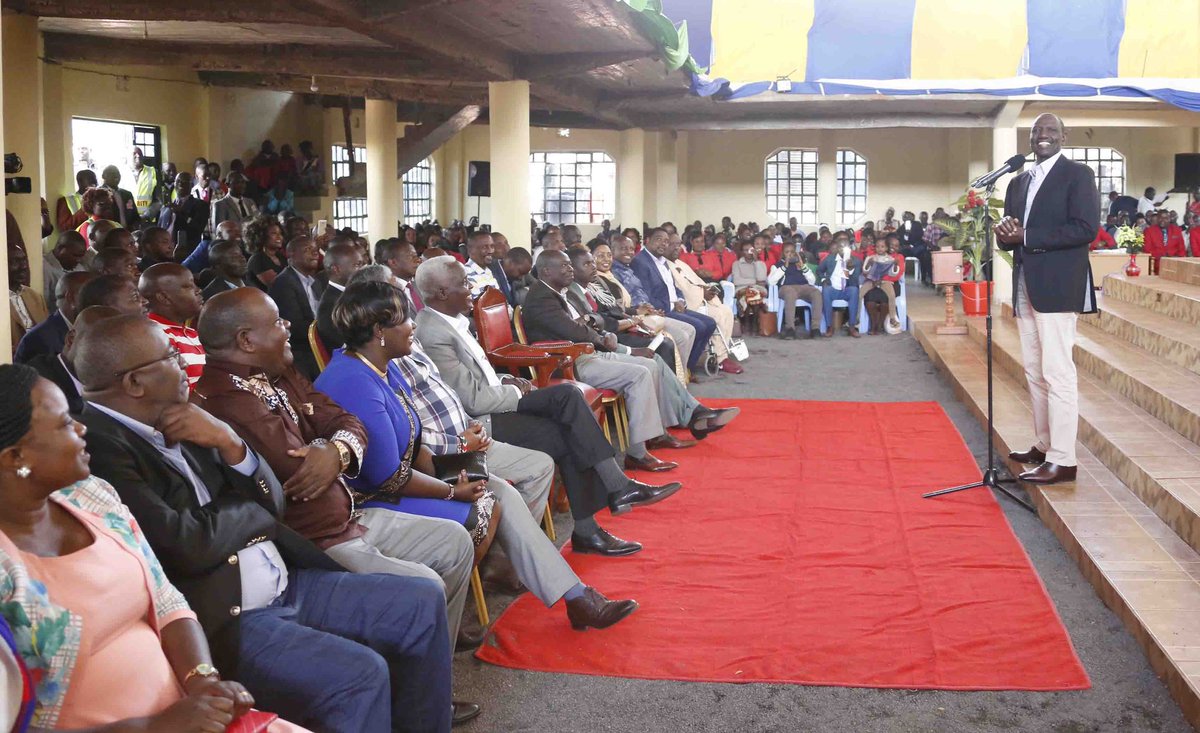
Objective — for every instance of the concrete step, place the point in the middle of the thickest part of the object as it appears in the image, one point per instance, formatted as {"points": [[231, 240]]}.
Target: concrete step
{"points": [[1180, 269], [1169, 339], [1136, 562], [1159, 465], [1170, 298]]}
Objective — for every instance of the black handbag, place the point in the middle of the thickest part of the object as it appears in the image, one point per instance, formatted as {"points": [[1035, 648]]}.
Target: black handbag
{"points": [[448, 467]]}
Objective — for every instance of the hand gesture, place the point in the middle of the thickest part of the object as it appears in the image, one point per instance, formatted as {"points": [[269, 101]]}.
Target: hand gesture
{"points": [[466, 490], [609, 342], [476, 438], [679, 306], [194, 714], [520, 383], [187, 422], [1010, 231], [215, 687], [321, 466], [642, 352]]}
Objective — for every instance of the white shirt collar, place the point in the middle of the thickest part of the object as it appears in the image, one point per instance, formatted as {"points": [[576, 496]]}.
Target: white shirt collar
{"points": [[1045, 165], [332, 284]]}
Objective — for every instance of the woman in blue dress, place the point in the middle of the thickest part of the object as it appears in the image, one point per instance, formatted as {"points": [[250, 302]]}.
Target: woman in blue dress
{"points": [[397, 472]]}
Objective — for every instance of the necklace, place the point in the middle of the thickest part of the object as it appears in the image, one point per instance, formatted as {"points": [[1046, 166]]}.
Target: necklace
{"points": [[365, 360]]}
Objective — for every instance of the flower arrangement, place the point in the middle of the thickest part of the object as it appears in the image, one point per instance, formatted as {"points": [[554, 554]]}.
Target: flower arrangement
{"points": [[1130, 238], [966, 231]]}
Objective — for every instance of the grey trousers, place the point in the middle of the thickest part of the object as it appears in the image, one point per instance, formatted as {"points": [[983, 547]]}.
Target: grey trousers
{"points": [[537, 561], [684, 335], [675, 403], [530, 472], [409, 544], [635, 378], [809, 293]]}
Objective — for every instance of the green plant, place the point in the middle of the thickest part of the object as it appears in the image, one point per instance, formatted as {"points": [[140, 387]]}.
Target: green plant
{"points": [[966, 231]]}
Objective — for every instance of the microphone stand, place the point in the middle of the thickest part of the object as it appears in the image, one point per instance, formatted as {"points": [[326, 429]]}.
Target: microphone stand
{"points": [[991, 475]]}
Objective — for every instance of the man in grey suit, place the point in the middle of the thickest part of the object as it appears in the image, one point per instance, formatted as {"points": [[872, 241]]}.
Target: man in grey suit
{"points": [[555, 421], [234, 206]]}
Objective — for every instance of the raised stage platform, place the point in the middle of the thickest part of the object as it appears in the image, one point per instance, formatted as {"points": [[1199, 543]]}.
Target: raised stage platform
{"points": [[1132, 520]]}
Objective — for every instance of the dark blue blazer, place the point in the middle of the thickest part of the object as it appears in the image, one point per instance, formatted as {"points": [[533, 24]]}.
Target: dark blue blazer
{"points": [[646, 269], [498, 271], [46, 337]]}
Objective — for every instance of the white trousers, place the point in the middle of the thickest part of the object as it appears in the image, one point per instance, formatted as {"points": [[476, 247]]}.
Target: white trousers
{"points": [[1047, 351]]}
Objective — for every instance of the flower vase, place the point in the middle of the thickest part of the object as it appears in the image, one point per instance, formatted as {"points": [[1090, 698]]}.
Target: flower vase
{"points": [[1132, 269]]}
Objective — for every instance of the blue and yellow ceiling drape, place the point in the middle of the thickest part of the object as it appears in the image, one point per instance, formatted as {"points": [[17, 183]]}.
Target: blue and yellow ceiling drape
{"points": [[1064, 48]]}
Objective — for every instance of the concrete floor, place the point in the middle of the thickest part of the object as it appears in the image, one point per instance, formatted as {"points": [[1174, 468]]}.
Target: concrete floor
{"points": [[1125, 697]]}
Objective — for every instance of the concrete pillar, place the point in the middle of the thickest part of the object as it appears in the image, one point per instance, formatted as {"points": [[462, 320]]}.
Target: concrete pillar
{"points": [[58, 179], [666, 188], [384, 203], [631, 189], [5, 313], [450, 180], [681, 177], [23, 128], [1004, 146], [508, 129], [826, 181], [650, 181]]}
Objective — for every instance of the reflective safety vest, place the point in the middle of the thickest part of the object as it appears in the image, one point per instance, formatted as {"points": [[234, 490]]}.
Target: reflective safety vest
{"points": [[74, 201], [147, 183]]}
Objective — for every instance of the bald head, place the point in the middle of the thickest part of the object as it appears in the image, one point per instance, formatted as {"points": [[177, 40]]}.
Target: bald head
{"points": [[159, 278], [225, 315], [83, 322], [111, 346], [243, 326]]}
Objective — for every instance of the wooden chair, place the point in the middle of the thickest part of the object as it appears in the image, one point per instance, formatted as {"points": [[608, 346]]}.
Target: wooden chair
{"points": [[320, 353], [481, 608]]}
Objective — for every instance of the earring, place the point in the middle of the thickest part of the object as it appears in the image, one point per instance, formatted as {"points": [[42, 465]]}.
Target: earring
{"points": [[23, 471], [381, 343]]}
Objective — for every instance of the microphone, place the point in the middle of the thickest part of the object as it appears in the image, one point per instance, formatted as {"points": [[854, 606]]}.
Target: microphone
{"points": [[1012, 165]]}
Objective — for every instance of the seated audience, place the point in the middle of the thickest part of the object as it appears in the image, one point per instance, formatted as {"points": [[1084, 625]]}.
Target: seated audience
{"points": [[60, 368], [518, 266], [228, 268], [280, 199], [115, 261], [874, 269], [342, 260], [297, 292], [683, 332], [366, 380], [750, 279], [67, 256], [265, 240], [480, 254], [154, 244], [48, 336], [175, 302], [500, 248], [838, 275], [797, 280], [402, 260], [84, 593], [718, 261], [26, 306], [1162, 238], [269, 601], [311, 171], [115, 291], [249, 382], [700, 296], [651, 267]]}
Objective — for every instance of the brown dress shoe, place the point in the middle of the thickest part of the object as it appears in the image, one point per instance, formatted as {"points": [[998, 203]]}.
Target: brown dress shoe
{"points": [[593, 610], [1031, 457], [649, 463], [827, 333], [854, 332], [666, 440], [1049, 473]]}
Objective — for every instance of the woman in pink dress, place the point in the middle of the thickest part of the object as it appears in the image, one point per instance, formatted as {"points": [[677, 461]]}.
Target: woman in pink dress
{"points": [[108, 640]]}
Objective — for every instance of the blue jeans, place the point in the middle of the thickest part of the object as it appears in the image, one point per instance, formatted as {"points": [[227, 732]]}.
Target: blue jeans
{"points": [[351, 653], [705, 327], [848, 294]]}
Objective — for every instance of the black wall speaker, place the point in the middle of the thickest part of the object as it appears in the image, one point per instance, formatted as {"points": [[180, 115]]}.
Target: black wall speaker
{"points": [[1187, 172], [479, 178]]}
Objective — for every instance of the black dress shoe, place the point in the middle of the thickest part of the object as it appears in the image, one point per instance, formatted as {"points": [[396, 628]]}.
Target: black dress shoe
{"points": [[666, 440], [706, 420], [469, 640], [1031, 457], [1049, 473], [640, 494], [464, 711], [593, 610], [603, 543], [648, 463]]}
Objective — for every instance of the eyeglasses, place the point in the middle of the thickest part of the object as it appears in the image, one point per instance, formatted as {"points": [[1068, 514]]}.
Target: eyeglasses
{"points": [[172, 354]]}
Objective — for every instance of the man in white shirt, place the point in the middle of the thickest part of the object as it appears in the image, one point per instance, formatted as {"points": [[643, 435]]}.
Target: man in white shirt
{"points": [[1148, 202], [480, 254]]}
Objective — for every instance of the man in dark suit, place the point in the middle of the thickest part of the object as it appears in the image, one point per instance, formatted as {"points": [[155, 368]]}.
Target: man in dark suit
{"points": [[316, 644], [342, 260], [296, 293], [1051, 215], [654, 271], [228, 268], [402, 259], [49, 336], [500, 248], [60, 368]]}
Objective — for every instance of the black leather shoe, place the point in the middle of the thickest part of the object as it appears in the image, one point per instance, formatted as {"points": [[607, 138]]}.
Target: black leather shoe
{"points": [[464, 711], [640, 494], [469, 639], [593, 610], [712, 420], [1050, 473], [603, 543], [1031, 457], [648, 463]]}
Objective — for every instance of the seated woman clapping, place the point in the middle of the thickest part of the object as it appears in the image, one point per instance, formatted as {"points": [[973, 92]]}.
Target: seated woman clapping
{"points": [[111, 644], [397, 472]]}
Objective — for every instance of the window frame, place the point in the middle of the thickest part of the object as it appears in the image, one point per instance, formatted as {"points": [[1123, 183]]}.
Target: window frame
{"points": [[412, 189], [348, 211], [840, 195], [601, 205], [1099, 176], [804, 215]]}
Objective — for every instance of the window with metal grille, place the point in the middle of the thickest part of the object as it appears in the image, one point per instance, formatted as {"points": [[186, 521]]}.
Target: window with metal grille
{"points": [[340, 160], [418, 192], [350, 212], [572, 187], [1107, 164], [791, 186], [851, 187]]}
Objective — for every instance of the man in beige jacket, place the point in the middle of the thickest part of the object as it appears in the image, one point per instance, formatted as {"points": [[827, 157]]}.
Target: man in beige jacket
{"points": [[706, 298]]}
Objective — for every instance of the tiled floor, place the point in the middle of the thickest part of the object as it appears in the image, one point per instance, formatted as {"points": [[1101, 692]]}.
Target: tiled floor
{"points": [[1135, 560]]}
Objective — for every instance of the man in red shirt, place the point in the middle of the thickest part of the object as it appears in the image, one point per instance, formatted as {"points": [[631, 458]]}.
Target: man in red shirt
{"points": [[716, 262], [1103, 240], [1162, 238], [174, 301], [1194, 236]]}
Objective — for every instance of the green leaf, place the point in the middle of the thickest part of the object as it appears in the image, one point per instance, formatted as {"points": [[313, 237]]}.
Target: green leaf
{"points": [[676, 56], [637, 5]]}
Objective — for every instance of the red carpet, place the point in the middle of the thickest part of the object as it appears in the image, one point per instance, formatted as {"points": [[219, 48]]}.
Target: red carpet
{"points": [[801, 551]]}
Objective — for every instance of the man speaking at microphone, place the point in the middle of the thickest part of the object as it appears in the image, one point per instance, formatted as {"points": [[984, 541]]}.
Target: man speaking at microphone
{"points": [[1051, 215]]}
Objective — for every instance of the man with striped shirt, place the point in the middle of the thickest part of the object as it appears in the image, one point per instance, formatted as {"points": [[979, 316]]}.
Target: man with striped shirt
{"points": [[174, 302]]}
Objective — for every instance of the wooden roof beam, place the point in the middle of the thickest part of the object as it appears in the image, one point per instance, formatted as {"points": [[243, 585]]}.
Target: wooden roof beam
{"points": [[545, 66], [372, 89], [421, 140], [213, 11]]}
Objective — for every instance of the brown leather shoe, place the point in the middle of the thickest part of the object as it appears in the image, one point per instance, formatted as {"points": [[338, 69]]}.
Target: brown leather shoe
{"points": [[649, 463], [729, 366], [1049, 473], [1031, 457], [593, 610], [666, 440], [854, 332]]}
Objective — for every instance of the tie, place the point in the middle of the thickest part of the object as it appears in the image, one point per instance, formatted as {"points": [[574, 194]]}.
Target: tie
{"points": [[416, 299], [591, 301], [242, 208]]}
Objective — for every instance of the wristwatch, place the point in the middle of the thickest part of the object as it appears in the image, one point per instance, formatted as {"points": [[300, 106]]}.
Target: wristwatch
{"points": [[204, 669], [344, 454]]}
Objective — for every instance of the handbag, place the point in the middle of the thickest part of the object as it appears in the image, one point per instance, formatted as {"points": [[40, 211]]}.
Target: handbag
{"points": [[255, 721], [448, 467], [739, 350]]}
